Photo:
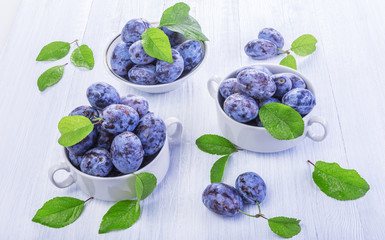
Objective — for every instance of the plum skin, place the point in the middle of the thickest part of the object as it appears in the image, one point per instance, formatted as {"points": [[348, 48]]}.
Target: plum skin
{"points": [[139, 103], [118, 118], [260, 49], [169, 72], [143, 75], [133, 30], [127, 152], [301, 100], [101, 95], [222, 199], [251, 187], [229, 87], [138, 55], [84, 145], [120, 59], [96, 162], [283, 84], [256, 84], [151, 131], [240, 107], [192, 53], [273, 36]]}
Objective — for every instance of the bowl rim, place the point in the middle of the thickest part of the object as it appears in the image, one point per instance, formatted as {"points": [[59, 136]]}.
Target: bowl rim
{"points": [[268, 66], [155, 86], [127, 175]]}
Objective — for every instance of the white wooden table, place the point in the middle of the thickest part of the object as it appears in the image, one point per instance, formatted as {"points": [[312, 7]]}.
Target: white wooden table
{"points": [[347, 71]]}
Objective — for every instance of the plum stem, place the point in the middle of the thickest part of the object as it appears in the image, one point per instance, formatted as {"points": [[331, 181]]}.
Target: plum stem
{"points": [[259, 208], [99, 120], [283, 51], [88, 199], [311, 163], [262, 216], [255, 216], [239, 210]]}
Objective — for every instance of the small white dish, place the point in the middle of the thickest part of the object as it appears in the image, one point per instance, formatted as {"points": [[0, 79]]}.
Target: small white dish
{"points": [[158, 88], [258, 139], [120, 187]]}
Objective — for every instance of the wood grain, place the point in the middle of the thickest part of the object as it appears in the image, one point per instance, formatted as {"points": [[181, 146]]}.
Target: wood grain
{"points": [[346, 70]]}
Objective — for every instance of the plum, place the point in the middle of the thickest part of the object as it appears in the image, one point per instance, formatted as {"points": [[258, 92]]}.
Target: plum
{"points": [[273, 36], [139, 103], [302, 100], [75, 159], [296, 80], [118, 118], [174, 37], [262, 102], [169, 72], [143, 74], [256, 67], [151, 131], [120, 59], [229, 87], [260, 49], [84, 145], [283, 84], [96, 162], [127, 152], [104, 139], [251, 187], [138, 55], [256, 84], [240, 107], [222, 199], [134, 29], [192, 53], [100, 95]]}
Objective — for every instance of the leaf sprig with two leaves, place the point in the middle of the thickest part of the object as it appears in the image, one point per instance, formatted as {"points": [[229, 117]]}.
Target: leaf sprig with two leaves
{"points": [[176, 18], [82, 56], [62, 211], [302, 46]]}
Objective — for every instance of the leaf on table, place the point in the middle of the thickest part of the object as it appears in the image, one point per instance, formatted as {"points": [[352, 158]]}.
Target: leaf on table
{"points": [[281, 121], [145, 184], [177, 19], [289, 61], [215, 144], [304, 45], [50, 77], [156, 44], [54, 51], [59, 212], [83, 57], [73, 129], [218, 169], [339, 183], [121, 215], [284, 227]]}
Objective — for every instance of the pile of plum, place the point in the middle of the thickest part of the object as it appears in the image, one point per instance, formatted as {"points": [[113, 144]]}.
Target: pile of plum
{"points": [[126, 135], [266, 46], [253, 86], [226, 200], [130, 61]]}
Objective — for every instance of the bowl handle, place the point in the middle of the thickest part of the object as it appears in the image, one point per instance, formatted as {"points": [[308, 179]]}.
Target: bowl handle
{"points": [[313, 136], [66, 182], [213, 84], [174, 136]]}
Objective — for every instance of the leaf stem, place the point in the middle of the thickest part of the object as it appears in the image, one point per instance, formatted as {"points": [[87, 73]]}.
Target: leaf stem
{"points": [[74, 41], [88, 199], [262, 216], [65, 64], [311, 163]]}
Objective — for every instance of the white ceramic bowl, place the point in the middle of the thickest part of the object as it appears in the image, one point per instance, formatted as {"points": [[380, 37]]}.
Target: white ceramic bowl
{"points": [[158, 88], [120, 187], [258, 139]]}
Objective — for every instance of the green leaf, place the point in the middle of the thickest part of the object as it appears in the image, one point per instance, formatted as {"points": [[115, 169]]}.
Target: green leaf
{"points": [[83, 57], [50, 77], [289, 61], [218, 169], [156, 44], [145, 184], [59, 212], [177, 19], [121, 215], [281, 121], [304, 45], [73, 129], [215, 144], [53, 51], [285, 227], [339, 183]]}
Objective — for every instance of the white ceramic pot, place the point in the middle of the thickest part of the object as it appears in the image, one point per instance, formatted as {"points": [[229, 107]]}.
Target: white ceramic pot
{"points": [[258, 139], [158, 88], [120, 187]]}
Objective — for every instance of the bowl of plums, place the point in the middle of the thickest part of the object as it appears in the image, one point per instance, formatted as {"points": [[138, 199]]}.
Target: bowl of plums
{"points": [[241, 96], [127, 139], [127, 60]]}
